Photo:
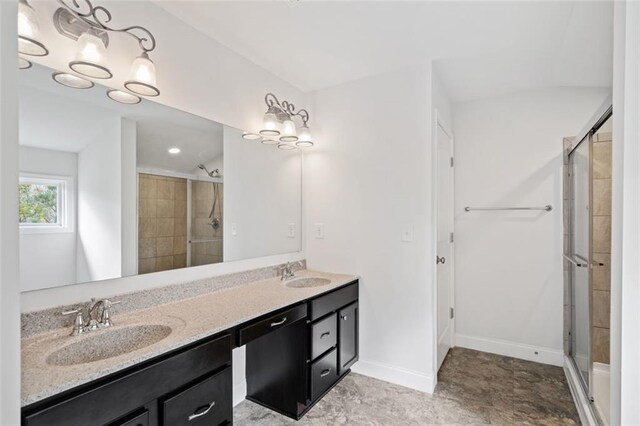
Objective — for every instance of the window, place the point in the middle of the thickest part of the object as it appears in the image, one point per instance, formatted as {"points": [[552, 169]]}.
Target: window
{"points": [[44, 203]]}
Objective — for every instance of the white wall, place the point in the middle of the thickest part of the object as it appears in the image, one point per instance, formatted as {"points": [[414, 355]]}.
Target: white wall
{"points": [[48, 259], [100, 206], [258, 177], [508, 265], [9, 258], [367, 176], [625, 268]]}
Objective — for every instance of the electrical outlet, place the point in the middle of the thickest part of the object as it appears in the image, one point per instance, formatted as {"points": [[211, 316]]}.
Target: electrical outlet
{"points": [[319, 231], [291, 230], [234, 229]]}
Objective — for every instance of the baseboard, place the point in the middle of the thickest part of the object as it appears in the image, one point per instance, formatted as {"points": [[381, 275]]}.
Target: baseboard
{"points": [[239, 392], [512, 349], [399, 376]]}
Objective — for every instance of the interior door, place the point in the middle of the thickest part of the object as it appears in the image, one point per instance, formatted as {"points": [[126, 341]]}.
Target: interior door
{"points": [[579, 258], [444, 258]]}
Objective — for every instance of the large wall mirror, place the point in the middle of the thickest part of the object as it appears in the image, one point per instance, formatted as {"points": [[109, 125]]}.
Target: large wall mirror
{"points": [[110, 190]]}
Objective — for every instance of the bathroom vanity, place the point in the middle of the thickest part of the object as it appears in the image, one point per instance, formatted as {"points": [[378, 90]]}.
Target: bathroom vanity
{"points": [[300, 342]]}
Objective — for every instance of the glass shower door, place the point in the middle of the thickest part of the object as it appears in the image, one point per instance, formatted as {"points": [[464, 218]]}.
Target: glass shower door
{"points": [[578, 257]]}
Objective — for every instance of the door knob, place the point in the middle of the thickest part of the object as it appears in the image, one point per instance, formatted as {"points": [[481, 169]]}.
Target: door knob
{"points": [[440, 260]]}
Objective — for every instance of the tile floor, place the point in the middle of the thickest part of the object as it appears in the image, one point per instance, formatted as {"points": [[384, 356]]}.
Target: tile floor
{"points": [[474, 388]]}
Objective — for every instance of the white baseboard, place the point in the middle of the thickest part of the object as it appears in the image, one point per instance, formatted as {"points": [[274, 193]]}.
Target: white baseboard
{"points": [[399, 376], [511, 349], [239, 392]]}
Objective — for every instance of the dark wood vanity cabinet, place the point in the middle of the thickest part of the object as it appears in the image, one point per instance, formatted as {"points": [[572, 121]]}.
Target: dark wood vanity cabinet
{"points": [[164, 391], [294, 357], [290, 370]]}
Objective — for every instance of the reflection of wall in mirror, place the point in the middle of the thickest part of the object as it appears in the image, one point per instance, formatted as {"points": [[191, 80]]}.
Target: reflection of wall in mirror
{"points": [[262, 193]]}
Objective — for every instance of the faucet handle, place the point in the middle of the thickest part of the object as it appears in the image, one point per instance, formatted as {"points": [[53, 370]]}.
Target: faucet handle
{"points": [[78, 324], [105, 321]]}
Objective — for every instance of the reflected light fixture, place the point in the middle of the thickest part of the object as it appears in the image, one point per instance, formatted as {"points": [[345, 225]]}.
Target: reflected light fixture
{"points": [[123, 97], [29, 31], [279, 127], [174, 150], [91, 56], [23, 64], [71, 80], [251, 136]]}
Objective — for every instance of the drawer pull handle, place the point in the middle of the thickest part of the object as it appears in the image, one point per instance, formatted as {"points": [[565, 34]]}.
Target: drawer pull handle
{"points": [[282, 321], [325, 334], [201, 411], [325, 372]]}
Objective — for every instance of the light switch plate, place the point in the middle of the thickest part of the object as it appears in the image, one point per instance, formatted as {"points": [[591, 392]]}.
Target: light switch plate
{"points": [[234, 229], [407, 232], [319, 230], [291, 230]]}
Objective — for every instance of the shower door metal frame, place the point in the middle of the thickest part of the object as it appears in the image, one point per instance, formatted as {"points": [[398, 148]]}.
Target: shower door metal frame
{"points": [[585, 136]]}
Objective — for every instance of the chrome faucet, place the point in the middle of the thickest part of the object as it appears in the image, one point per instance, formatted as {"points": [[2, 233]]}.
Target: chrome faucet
{"points": [[92, 324], [287, 270]]}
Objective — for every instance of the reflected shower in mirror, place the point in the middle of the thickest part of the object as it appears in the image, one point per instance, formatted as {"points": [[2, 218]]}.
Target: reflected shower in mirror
{"points": [[110, 190]]}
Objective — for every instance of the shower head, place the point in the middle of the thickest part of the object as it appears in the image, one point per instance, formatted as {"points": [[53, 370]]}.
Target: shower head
{"points": [[214, 173]]}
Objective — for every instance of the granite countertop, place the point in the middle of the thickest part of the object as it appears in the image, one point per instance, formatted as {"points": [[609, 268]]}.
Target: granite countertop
{"points": [[190, 320]]}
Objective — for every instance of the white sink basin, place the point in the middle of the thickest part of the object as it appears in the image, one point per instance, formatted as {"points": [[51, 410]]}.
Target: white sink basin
{"points": [[104, 344], [308, 282]]}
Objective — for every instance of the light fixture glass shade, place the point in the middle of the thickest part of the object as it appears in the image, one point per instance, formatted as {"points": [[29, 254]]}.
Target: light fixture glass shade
{"points": [[71, 80], [23, 64], [29, 31], [91, 57], [251, 136], [142, 79], [286, 146], [123, 97], [270, 123], [288, 131], [304, 137]]}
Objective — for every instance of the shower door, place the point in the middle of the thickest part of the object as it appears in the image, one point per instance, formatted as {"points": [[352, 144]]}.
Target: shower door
{"points": [[578, 258]]}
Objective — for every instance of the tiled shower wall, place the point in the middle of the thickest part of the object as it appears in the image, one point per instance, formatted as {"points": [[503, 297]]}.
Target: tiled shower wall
{"points": [[162, 223], [601, 247]]}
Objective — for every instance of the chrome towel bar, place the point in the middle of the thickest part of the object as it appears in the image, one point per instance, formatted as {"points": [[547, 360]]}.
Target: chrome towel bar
{"points": [[546, 208]]}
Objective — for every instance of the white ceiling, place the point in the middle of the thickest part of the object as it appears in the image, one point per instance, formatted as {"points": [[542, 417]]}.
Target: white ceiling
{"points": [[481, 48]]}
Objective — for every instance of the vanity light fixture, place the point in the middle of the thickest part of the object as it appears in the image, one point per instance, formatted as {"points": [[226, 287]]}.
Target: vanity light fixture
{"points": [[251, 136], [71, 80], [82, 21], [29, 31], [124, 97], [279, 125], [23, 64], [174, 150]]}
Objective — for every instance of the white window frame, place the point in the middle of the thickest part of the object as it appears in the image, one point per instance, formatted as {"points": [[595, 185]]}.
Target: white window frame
{"points": [[65, 207]]}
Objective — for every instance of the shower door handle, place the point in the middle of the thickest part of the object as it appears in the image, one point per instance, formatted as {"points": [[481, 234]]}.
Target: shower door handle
{"points": [[574, 262]]}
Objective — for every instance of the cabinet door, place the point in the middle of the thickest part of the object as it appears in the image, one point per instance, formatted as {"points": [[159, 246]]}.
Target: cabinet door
{"points": [[348, 337]]}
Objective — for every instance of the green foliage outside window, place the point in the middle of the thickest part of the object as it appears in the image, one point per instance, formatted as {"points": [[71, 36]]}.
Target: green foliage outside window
{"points": [[38, 203]]}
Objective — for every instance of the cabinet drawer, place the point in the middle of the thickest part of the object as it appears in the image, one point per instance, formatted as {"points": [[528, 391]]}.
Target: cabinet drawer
{"points": [[333, 301], [323, 335], [264, 326], [206, 403], [135, 388], [139, 418], [323, 374]]}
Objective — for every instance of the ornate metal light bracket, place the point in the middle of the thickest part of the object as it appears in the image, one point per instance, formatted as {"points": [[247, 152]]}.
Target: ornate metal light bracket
{"points": [[74, 19], [285, 110]]}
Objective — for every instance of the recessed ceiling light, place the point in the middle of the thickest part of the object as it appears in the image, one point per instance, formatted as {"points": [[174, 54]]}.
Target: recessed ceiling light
{"points": [[174, 150], [71, 80], [123, 97], [251, 136]]}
